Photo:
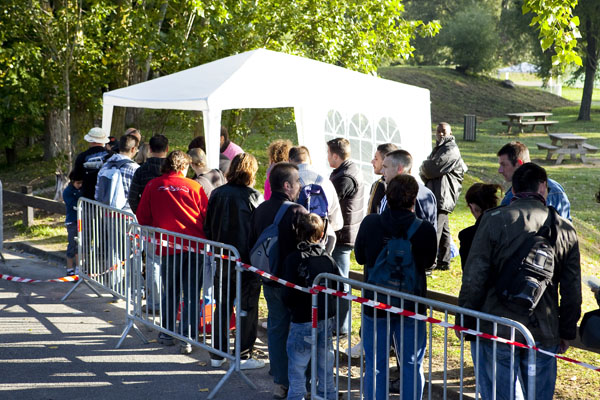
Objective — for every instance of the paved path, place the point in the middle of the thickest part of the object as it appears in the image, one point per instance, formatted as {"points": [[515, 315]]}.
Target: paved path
{"points": [[51, 350]]}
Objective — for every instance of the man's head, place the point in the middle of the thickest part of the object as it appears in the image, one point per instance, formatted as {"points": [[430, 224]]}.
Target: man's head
{"points": [[395, 163], [338, 151], [530, 178], [299, 155], [401, 192], [443, 130], [310, 228], [97, 137], [242, 170], [197, 143], [224, 136], [134, 132], [159, 146], [510, 157], [128, 145], [284, 178], [380, 153]]}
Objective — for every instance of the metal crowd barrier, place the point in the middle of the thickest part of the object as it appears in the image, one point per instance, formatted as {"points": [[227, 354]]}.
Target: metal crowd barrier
{"points": [[102, 241], [193, 281], [408, 341]]}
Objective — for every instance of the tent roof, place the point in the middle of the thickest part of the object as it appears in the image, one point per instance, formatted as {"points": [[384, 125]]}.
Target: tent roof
{"points": [[263, 79]]}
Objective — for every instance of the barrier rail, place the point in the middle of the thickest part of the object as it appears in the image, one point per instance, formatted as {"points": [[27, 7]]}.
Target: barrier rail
{"points": [[102, 240], [193, 271], [1, 225], [401, 317]]}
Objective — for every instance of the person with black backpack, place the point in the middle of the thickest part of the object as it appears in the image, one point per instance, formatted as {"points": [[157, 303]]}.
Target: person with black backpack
{"points": [[302, 267], [523, 256], [279, 216], [396, 249]]}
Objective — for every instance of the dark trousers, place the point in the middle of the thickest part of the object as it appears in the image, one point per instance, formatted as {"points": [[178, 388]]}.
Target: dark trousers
{"points": [[224, 293], [179, 272], [444, 239]]}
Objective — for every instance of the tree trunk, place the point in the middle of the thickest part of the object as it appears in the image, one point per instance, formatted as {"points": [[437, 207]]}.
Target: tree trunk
{"points": [[591, 66], [56, 136]]}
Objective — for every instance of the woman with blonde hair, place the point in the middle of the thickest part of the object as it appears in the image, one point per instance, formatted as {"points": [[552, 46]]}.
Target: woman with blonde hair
{"points": [[278, 151], [228, 221]]}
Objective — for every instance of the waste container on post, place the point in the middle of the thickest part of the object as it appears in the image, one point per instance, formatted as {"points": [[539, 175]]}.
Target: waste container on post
{"points": [[470, 129]]}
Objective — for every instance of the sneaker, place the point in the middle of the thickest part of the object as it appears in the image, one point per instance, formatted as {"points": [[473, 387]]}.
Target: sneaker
{"points": [[355, 351], [185, 348], [280, 392], [216, 363], [165, 339], [70, 272], [443, 267], [252, 363]]}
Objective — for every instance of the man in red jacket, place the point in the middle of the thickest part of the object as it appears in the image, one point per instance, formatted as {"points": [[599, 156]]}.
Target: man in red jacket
{"points": [[178, 204]]}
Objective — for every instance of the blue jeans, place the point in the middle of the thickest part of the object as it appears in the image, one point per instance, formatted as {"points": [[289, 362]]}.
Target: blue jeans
{"points": [[408, 358], [341, 255], [179, 272], [545, 371], [299, 353], [278, 322]]}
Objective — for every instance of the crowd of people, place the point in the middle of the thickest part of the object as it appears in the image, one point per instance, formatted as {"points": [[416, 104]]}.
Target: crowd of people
{"points": [[320, 235]]}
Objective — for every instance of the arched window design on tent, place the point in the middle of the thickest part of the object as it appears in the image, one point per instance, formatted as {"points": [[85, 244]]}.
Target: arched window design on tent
{"points": [[335, 126], [388, 132], [360, 135]]}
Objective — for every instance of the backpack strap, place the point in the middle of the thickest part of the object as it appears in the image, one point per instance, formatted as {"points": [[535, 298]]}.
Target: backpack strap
{"points": [[319, 180], [281, 212], [413, 228], [118, 164]]}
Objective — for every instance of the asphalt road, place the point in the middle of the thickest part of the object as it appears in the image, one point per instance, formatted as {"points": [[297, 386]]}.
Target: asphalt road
{"points": [[54, 350]]}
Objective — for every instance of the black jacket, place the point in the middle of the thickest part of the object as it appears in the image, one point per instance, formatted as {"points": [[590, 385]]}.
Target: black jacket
{"points": [[443, 173], [301, 267], [264, 215], [350, 190], [466, 237], [144, 174], [228, 216], [395, 223]]}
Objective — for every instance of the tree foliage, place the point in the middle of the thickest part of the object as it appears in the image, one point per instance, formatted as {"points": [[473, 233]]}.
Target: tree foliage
{"points": [[557, 28], [85, 47]]}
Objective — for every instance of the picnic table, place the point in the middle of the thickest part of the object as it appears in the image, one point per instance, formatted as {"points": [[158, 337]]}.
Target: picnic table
{"points": [[532, 119], [567, 143]]}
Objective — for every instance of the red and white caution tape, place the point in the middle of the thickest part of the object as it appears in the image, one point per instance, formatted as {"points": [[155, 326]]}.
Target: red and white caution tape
{"points": [[73, 278], [431, 320]]}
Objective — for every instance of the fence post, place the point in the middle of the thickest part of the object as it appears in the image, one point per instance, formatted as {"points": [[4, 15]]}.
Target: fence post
{"points": [[470, 128], [27, 211]]}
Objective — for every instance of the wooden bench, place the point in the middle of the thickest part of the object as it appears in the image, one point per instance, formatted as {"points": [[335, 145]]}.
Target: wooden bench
{"points": [[546, 146], [528, 122], [589, 148]]}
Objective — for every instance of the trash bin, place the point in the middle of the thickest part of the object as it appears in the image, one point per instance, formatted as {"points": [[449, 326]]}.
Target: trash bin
{"points": [[470, 129]]}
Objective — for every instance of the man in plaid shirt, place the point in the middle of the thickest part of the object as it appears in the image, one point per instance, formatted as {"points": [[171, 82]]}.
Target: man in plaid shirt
{"points": [[128, 147]]}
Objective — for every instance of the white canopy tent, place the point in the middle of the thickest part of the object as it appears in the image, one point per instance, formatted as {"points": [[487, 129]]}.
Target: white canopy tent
{"points": [[328, 102]]}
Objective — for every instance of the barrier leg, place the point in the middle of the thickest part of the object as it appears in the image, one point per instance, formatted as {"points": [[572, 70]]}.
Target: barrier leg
{"points": [[126, 330], [229, 372]]}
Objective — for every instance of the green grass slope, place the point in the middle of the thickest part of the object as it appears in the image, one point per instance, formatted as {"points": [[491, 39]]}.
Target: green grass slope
{"points": [[454, 94]]}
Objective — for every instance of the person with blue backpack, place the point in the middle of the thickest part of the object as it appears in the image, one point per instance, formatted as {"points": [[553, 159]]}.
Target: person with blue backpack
{"points": [[272, 238], [396, 249], [318, 195]]}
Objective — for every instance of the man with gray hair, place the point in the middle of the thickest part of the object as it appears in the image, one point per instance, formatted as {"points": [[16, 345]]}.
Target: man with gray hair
{"points": [[400, 162]]}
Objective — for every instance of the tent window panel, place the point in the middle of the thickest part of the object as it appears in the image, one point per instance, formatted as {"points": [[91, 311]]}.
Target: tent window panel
{"points": [[388, 132], [360, 127], [335, 124], [366, 153], [367, 175]]}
